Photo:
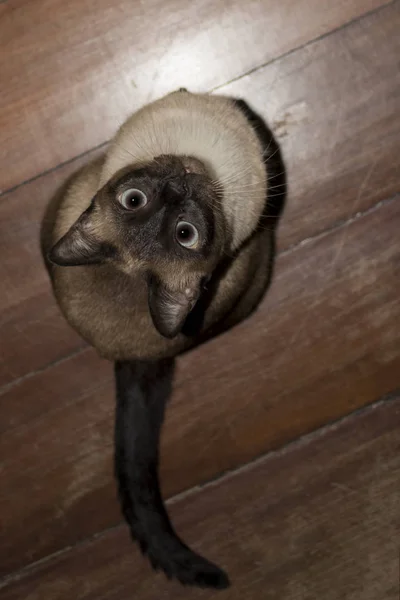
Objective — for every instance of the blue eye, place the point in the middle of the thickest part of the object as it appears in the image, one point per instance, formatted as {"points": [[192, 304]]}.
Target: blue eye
{"points": [[186, 234], [133, 199]]}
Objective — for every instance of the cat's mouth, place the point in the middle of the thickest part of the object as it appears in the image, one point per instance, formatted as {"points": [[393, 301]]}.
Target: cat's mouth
{"points": [[193, 165]]}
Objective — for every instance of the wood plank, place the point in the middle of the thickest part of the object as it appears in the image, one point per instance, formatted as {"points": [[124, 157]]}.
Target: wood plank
{"points": [[328, 181], [31, 327], [279, 375], [337, 118], [75, 70], [61, 449], [321, 519]]}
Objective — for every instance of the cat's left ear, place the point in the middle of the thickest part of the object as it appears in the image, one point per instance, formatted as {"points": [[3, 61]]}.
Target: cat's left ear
{"points": [[80, 245], [169, 308]]}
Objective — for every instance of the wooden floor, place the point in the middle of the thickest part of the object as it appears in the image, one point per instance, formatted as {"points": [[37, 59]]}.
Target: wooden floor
{"points": [[301, 404]]}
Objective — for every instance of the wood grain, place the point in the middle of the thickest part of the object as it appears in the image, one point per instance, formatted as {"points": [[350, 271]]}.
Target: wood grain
{"points": [[288, 372], [321, 519], [335, 109], [341, 152], [74, 70], [323, 344], [31, 327]]}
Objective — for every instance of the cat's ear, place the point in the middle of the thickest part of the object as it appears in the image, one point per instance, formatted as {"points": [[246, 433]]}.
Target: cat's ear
{"points": [[169, 308], [80, 245]]}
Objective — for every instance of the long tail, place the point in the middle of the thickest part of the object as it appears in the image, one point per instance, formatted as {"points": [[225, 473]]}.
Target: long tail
{"points": [[143, 389]]}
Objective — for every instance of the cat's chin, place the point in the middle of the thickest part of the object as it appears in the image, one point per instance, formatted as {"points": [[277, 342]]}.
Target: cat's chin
{"points": [[194, 165]]}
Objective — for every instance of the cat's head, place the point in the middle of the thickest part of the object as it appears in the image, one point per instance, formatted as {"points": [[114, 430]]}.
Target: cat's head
{"points": [[161, 219]]}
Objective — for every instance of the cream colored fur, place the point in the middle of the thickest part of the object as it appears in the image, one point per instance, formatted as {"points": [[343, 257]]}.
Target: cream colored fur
{"points": [[211, 129]]}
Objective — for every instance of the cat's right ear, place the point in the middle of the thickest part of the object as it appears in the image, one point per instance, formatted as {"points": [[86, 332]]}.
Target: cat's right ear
{"points": [[80, 245]]}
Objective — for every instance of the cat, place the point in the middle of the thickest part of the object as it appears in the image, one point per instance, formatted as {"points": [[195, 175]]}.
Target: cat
{"points": [[160, 244]]}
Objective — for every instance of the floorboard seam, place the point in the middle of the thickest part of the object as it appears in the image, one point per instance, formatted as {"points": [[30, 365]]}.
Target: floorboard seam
{"points": [[52, 169], [213, 89], [337, 226], [298, 442], [340, 224], [54, 363], [306, 44]]}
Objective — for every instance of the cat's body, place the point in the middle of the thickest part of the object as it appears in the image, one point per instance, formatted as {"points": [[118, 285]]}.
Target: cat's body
{"points": [[121, 327], [139, 297]]}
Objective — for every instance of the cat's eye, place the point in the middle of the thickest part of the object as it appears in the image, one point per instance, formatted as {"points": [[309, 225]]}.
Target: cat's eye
{"points": [[133, 199], [186, 234]]}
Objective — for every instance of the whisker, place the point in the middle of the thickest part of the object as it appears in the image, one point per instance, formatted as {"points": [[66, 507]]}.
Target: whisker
{"points": [[238, 181], [125, 150], [234, 173], [243, 187], [280, 185], [276, 175], [271, 141], [276, 195], [271, 155]]}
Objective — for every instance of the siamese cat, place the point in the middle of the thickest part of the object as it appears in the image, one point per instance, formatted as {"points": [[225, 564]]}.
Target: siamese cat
{"points": [[158, 245]]}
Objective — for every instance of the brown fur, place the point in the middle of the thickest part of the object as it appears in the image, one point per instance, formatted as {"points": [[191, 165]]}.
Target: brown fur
{"points": [[108, 303]]}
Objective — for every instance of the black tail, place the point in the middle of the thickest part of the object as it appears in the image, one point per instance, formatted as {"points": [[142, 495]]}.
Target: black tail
{"points": [[143, 389]]}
